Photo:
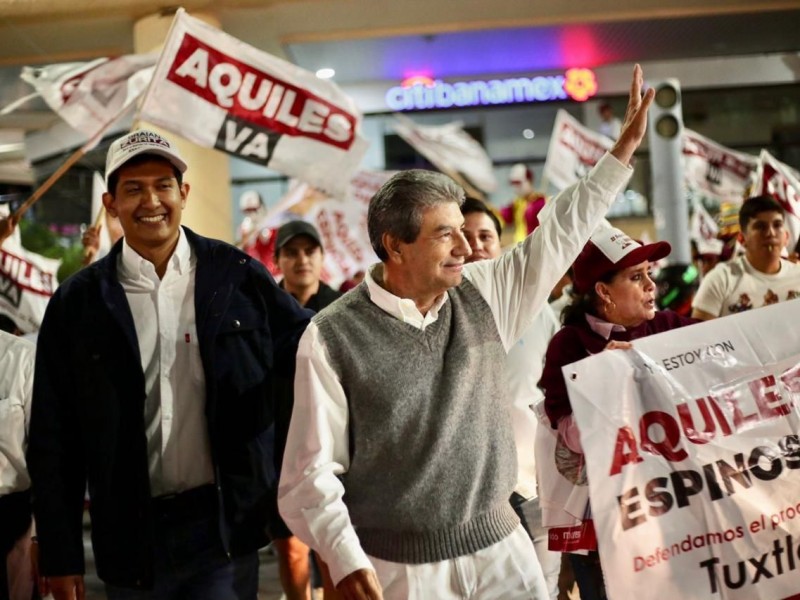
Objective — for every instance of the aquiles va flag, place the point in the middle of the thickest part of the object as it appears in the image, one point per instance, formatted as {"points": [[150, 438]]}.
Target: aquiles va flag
{"points": [[219, 92], [692, 449]]}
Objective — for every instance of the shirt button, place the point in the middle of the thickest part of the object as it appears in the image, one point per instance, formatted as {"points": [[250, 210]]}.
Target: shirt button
{"points": [[236, 324], [242, 261]]}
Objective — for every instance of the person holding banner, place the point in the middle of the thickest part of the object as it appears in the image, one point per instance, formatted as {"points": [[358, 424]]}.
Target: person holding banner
{"points": [[93, 246], [157, 371], [400, 459], [614, 302], [760, 277]]}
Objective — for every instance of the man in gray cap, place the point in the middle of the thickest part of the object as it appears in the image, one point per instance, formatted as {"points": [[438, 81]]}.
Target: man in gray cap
{"points": [[299, 255], [156, 367]]}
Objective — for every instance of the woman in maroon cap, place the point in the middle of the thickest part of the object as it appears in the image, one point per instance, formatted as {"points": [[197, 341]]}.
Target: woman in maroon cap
{"points": [[614, 303]]}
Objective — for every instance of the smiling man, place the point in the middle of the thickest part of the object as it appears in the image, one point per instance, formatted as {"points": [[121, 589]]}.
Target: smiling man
{"points": [[400, 459], [156, 369], [758, 278]]}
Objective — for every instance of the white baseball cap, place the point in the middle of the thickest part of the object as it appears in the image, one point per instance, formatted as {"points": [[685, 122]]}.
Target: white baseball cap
{"points": [[250, 200], [141, 142]]}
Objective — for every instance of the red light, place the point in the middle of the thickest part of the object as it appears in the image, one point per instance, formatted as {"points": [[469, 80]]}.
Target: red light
{"points": [[580, 84]]}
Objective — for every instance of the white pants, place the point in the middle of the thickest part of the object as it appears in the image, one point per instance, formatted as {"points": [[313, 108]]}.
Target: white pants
{"points": [[507, 570], [551, 564]]}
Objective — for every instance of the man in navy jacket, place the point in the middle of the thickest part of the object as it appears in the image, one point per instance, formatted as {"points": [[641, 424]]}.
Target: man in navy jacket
{"points": [[157, 371]]}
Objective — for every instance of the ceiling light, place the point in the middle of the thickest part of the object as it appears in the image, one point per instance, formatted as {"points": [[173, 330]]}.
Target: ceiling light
{"points": [[325, 73], [528, 134]]}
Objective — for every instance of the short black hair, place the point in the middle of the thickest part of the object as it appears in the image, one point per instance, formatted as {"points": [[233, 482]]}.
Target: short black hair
{"points": [[139, 159], [473, 205], [755, 206]]}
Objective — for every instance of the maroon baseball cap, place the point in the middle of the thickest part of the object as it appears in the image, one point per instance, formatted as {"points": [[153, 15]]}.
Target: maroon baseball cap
{"points": [[610, 249]]}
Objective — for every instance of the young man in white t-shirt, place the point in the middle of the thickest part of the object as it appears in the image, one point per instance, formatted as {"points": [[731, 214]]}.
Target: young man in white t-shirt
{"points": [[758, 278]]}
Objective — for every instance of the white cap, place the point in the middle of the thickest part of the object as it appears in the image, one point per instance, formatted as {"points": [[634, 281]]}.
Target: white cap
{"points": [[250, 200], [519, 172], [141, 142]]}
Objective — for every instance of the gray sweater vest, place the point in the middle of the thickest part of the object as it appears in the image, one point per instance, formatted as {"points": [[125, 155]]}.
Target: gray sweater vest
{"points": [[432, 457]]}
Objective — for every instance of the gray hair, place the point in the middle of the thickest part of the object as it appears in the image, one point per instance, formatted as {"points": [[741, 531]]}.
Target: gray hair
{"points": [[397, 207]]}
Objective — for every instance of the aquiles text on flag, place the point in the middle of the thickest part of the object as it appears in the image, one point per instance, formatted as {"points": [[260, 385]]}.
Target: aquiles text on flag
{"points": [[259, 105]]}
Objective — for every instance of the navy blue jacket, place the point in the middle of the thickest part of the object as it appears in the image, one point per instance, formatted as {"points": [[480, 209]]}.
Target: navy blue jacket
{"points": [[87, 422]]}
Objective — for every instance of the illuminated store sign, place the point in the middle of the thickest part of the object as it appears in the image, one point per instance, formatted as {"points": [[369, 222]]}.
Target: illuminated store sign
{"points": [[575, 84]]}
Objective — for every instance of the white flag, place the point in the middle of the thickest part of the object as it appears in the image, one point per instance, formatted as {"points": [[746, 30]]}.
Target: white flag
{"points": [[219, 92], [91, 95], [703, 230], [573, 150], [452, 150], [713, 171], [27, 281], [774, 178]]}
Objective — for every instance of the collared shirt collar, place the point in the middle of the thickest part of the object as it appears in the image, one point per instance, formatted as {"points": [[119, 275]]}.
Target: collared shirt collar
{"points": [[601, 327], [404, 309], [132, 265]]}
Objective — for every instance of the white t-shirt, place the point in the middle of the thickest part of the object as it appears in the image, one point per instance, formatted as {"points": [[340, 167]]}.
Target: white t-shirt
{"points": [[735, 286]]}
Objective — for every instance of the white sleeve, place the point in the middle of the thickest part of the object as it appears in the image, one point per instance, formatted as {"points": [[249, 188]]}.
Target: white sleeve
{"points": [[29, 360], [711, 294], [517, 284], [317, 451]]}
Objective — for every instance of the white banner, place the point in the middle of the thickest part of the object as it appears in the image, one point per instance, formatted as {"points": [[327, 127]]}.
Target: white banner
{"points": [[574, 149], [693, 457], [221, 93], [27, 281], [713, 171], [91, 95], [779, 180], [453, 151], [703, 230]]}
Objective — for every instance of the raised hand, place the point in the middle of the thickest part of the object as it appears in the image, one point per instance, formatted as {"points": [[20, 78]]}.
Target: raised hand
{"points": [[635, 123]]}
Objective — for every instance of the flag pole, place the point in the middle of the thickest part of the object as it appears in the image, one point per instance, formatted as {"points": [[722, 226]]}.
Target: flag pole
{"points": [[137, 117], [75, 157]]}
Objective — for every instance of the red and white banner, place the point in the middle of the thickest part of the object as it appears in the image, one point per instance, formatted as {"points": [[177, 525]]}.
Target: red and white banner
{"points": [[219, 92], [693, 459], [781, 181], [90, 96], [27, 281], [451, 150], [574, 149], [714, 172]]}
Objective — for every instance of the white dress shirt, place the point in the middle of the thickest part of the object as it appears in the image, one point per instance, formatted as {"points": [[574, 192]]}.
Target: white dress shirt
{"points": [[17, 357], [178, 448], [516, 285]]}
